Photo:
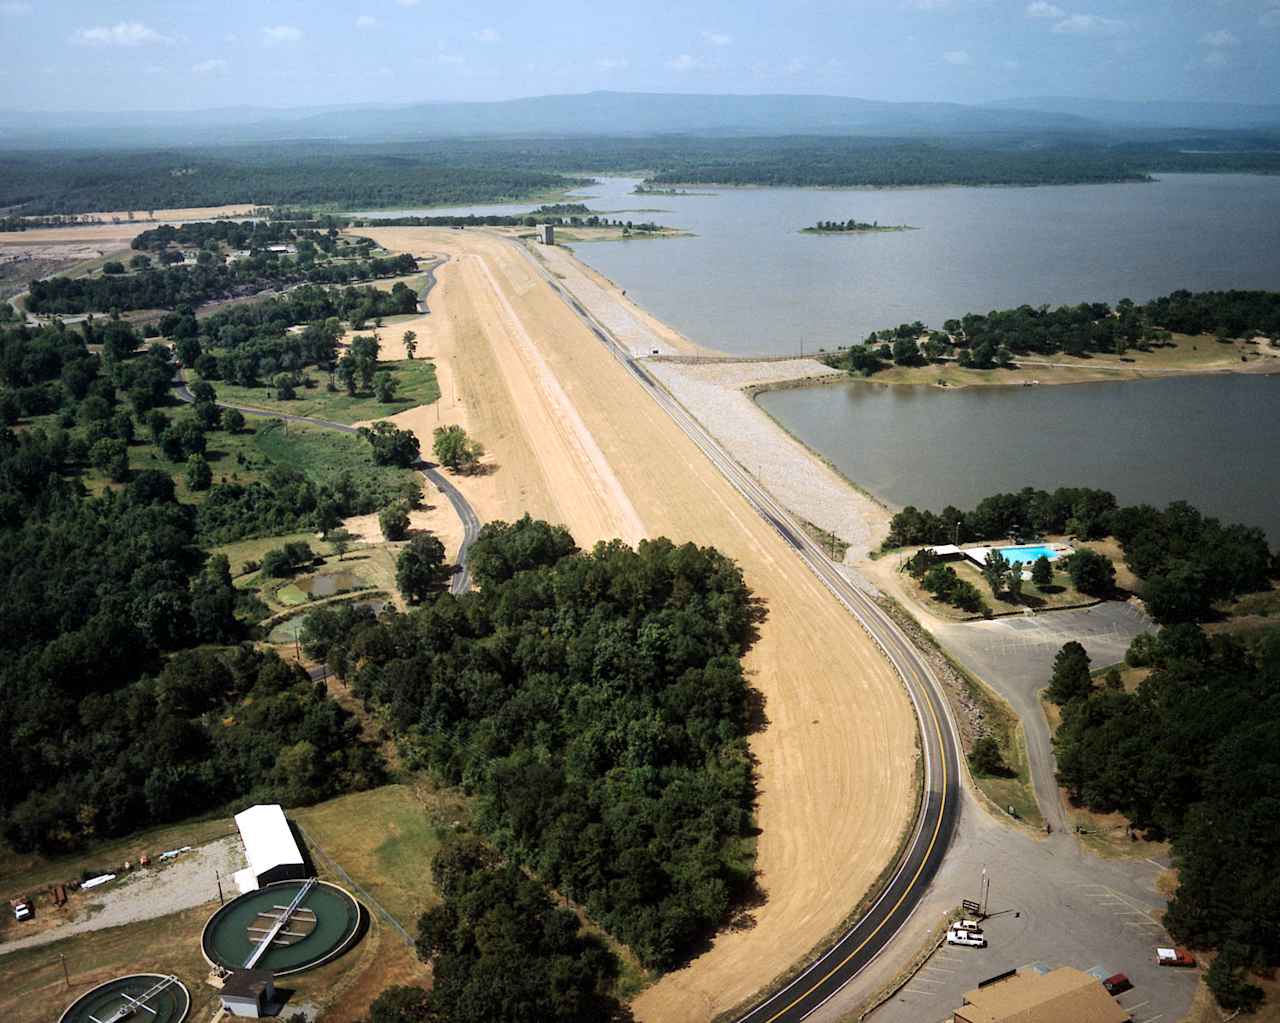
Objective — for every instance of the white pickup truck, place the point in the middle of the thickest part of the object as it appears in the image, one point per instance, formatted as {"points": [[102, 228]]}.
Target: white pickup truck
{"points": [[972, 939], [21, 909]]}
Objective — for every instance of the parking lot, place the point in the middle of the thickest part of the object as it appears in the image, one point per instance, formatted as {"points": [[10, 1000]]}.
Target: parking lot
{"points": [[1051, 904]]}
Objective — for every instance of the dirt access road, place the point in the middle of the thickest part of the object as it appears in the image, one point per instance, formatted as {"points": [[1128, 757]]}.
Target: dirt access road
{"points": [[572, 438]]}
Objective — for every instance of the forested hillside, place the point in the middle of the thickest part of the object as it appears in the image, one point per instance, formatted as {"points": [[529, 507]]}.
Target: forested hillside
{"points": [[124, 698], [594, 705], [460, 171]]}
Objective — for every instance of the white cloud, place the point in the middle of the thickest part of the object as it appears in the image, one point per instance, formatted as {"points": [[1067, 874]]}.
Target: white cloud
{"points": [[1217, 58], [717, 38], [209, 67], [1043, 9], [486, 35], [122, 33], [612, 63], [684, 62], [1089, 25], [15, 7], [1220, 40], [275, 34], [366, 21], [958, 57]]}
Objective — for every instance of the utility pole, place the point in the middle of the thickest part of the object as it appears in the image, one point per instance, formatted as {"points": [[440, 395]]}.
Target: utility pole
{"points": [[986, 890], [217, 875], [65, 975]]}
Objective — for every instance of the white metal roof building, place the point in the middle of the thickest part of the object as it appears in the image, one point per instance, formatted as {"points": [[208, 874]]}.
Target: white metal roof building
{"points": [[269, 846]]}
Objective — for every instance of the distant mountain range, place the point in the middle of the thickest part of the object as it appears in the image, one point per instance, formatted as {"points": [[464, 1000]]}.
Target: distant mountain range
{"points": [[618, 113]]}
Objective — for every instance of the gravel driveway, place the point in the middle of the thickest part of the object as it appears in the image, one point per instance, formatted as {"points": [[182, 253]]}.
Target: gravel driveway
{"points": [[146, 893]]}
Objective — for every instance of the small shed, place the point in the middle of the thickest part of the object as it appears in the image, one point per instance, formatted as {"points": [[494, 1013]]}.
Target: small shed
{"points": [[547, 234], [269, 846], [249, 993]]}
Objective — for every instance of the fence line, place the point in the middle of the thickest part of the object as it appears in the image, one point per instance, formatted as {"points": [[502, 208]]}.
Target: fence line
{"points": [[333, 865]]}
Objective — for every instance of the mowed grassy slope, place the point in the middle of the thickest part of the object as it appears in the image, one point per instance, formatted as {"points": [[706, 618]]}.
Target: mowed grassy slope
{"points": [[415, 380]]}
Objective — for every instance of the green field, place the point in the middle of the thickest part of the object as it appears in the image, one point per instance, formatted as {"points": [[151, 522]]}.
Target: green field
{"points": [[385, 839], [416, 380], [320, 454]]}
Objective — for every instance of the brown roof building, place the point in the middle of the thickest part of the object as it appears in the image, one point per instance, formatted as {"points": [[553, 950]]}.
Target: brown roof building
{"points": [[1064, 994]]}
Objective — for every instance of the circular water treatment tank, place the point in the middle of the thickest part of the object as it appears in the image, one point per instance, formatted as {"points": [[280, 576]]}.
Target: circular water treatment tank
{"points": [[323, 925], [167, 999]]}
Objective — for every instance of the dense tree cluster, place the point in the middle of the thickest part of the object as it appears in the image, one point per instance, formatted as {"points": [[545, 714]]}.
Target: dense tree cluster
{"points": [[356, 177], [851, 225], [190, 286], [1186, 561], [500, 950], [983, 341], [1194, 755], [595, 706], [234, 234]]}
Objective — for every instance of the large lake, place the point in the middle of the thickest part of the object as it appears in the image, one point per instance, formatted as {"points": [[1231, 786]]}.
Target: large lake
{"points": [[749, 282], [1209, 440]]}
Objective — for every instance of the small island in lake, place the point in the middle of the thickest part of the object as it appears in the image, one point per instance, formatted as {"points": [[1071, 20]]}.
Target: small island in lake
{"points": [[852, 227]]}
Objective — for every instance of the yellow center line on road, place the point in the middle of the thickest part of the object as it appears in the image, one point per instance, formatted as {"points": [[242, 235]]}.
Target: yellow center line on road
{"points": [[937, 827]]}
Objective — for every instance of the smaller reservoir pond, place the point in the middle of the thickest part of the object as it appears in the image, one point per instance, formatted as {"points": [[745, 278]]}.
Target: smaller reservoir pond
{"points": [[1207, 440]]}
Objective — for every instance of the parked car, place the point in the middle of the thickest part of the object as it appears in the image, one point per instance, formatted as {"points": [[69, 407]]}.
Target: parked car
{"points": [[967, 938], [22, 909], [968, 925], [1117, 984], [1174, 957]]}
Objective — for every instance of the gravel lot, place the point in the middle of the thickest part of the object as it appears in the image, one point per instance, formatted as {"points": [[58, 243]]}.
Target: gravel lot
{"points": [[188, 881], [713, 393]]}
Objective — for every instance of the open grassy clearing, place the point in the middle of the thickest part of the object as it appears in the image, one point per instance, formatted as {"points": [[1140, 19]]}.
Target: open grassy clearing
{"points": [[385, 839], [416, 385], [1013, 789]]}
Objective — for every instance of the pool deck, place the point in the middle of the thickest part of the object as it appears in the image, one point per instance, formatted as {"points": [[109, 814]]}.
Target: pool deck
{"points": [[978, 555]]}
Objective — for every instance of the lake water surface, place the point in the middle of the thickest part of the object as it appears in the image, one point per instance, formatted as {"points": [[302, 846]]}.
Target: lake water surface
{"points": [[1208, 440]]}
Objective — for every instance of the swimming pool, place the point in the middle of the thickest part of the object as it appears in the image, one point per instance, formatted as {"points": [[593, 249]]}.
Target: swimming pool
{"points": [[1029, 553]]}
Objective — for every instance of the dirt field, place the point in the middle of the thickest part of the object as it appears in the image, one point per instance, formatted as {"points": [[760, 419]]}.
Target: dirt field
{"points": [[572, 439]]}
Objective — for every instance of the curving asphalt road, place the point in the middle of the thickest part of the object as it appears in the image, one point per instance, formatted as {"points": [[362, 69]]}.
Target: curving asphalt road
{"points": [[939, 809], [461, 581]]}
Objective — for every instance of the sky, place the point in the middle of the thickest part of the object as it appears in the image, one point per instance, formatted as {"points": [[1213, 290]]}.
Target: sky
{"points": [[193, 54]]}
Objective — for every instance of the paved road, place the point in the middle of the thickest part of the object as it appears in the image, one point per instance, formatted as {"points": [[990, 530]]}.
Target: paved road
{"points": [[461, 580], [1015, 655], [939, 810]]}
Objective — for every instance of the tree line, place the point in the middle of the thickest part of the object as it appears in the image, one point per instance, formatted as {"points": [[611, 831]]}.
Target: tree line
{"points": [[464, 171], [509, 220], [1186, 561], [1192, 756], [594, 705], [350, 176], [154, 288], [984, 341]]}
